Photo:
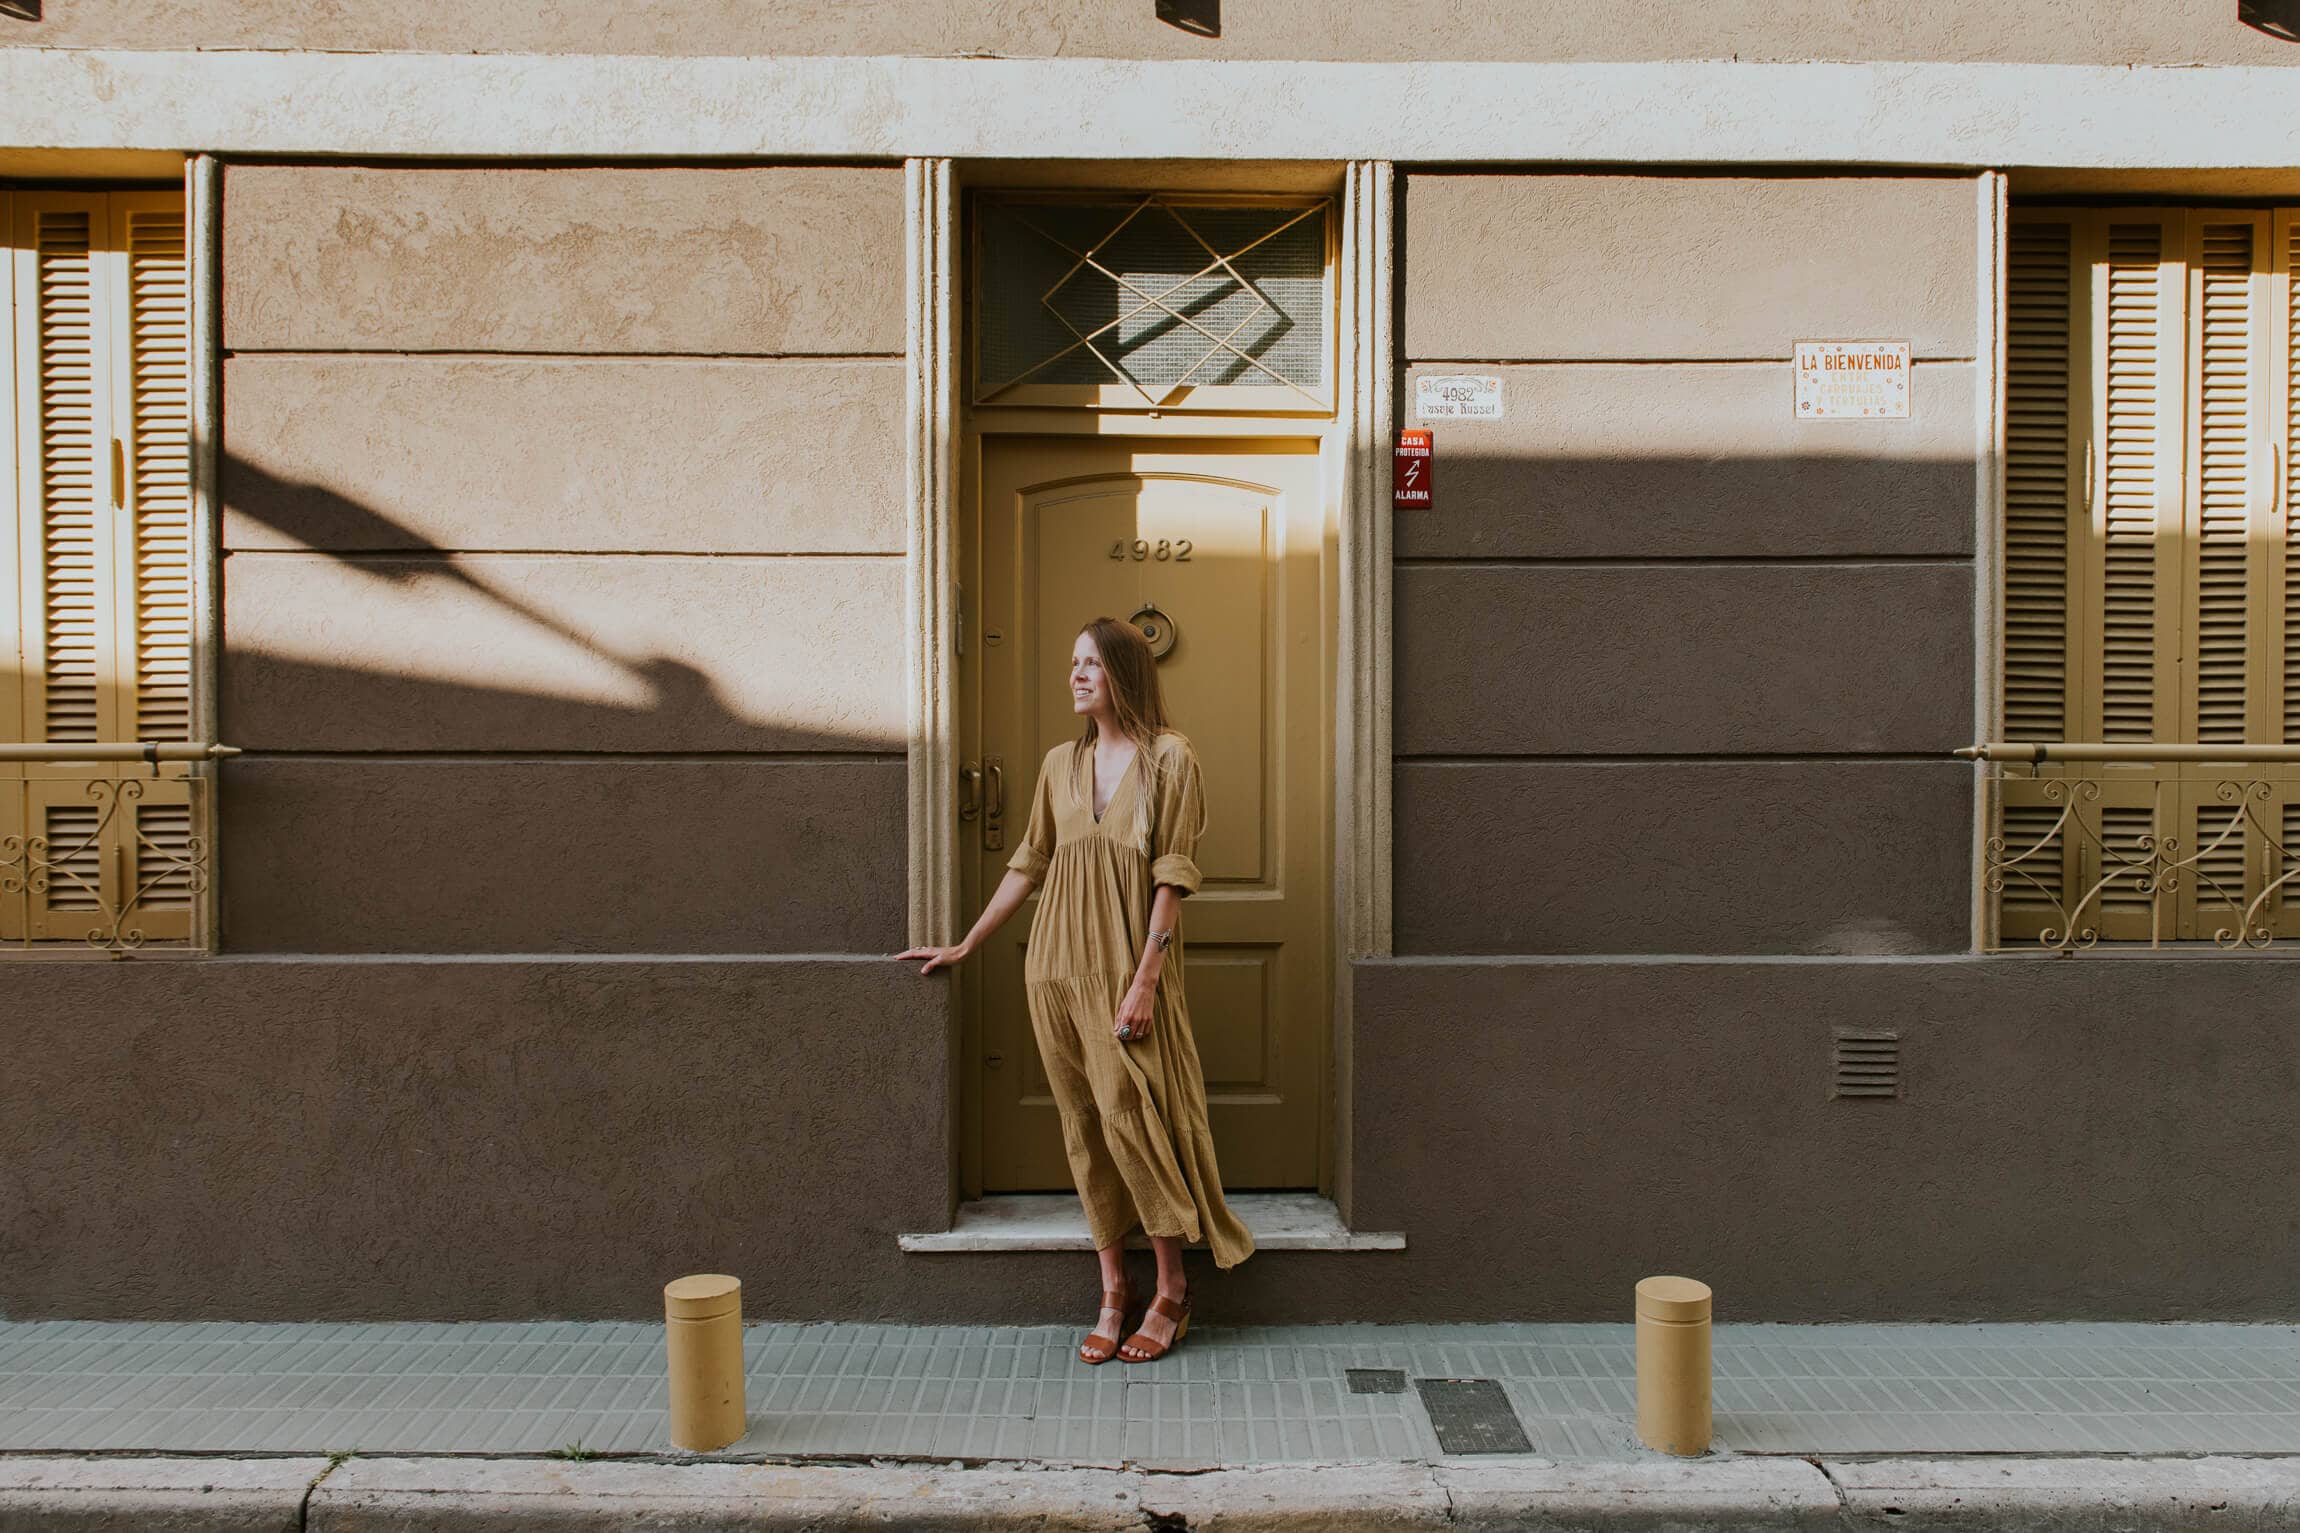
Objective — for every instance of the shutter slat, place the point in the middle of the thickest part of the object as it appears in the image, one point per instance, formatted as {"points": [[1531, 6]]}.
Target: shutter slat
{"points": [[75, 858], [2220, 481], [67, 293], [163, 856], [2130, 468], [2036, 483], [2289, 602], [159, 462]]}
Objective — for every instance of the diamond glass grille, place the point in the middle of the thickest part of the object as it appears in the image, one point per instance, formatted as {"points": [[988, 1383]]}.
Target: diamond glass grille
{"points": [[1151, 294]]}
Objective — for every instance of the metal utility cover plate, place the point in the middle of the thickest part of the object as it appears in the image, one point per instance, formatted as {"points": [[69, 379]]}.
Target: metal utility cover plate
{"points": [[1377, 1381], [1472, 1416]]}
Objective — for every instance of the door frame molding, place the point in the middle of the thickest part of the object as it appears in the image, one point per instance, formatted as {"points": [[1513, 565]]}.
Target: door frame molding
{"points": [[1356, 449]]}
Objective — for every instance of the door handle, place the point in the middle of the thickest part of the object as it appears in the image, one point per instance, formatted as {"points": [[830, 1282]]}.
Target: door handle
{"points": [[994, 803], [969, 791]]}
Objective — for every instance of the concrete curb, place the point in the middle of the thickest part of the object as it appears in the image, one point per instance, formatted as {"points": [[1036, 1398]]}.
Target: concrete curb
{"points": [[163, 1495], [2071, 1493], [452, 1495]]}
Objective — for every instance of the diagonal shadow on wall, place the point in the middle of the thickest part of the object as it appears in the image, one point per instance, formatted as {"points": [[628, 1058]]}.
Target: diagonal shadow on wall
{"points": [[466, 752]]}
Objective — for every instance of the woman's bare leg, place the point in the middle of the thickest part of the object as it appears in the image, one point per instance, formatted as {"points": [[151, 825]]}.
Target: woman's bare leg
{"points": [[1112, 1325]]}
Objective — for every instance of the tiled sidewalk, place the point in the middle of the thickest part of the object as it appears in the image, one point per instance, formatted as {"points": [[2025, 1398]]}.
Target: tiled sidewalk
{"points": [[1228, 1396]]}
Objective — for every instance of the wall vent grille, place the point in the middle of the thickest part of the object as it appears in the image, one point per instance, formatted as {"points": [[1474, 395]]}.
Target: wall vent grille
{"points": [[1868, 1064]]}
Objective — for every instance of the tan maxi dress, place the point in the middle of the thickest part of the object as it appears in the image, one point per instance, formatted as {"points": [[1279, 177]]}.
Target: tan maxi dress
{"points": [[1133, 1114]]}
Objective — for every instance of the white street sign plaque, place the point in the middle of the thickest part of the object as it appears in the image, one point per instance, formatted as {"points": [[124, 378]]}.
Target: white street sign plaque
{"points": [[1852, 380], [1457, 397]]}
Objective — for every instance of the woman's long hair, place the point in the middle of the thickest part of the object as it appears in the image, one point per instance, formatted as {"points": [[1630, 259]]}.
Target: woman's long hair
{"points": [[1130, 672]]}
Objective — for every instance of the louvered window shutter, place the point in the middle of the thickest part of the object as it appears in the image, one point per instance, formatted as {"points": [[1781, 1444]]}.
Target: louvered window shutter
{"points": [[101, 571], [2043, 460], [2226, 585], [2277, 694], [2223, 619], [2093, 504], [65, 480], [151, 402], [2161, 418], [2045, 323], [2131, 608]]}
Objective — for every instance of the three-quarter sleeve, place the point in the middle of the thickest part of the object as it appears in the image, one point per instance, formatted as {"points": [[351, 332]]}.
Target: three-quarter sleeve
{"points": [[1181, 820], [1037, 845]]}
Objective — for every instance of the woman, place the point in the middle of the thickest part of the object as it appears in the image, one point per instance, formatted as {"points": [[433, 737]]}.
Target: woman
{"points": [[1113, 827]]}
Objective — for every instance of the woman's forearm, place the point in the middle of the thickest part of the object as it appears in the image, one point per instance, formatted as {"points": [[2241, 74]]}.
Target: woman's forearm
{"points": [[1005, 900], [1165, 910]]}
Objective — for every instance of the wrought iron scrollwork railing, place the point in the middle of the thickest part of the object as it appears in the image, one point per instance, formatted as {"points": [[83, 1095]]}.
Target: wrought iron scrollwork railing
{"points": [[108, 859], [2141, 842]]}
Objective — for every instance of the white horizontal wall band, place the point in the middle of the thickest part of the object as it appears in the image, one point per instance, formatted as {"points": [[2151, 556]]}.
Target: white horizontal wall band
{"points": [[587, 105]]}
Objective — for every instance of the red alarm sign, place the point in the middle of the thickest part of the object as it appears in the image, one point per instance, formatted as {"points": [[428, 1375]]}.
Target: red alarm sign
{"points": [[1416, 469]]}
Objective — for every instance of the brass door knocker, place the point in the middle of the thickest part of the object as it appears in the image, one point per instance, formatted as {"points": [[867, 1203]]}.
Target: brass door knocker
{"points": [[1157, 629]]}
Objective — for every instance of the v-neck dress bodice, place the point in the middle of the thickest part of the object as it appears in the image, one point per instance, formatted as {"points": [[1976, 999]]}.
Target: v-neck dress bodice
{"points": [[1094, 784], [1133, 1113]]}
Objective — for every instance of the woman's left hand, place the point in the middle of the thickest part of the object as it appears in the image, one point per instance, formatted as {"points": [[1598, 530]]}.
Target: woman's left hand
{"points": [[1133, 1024]]}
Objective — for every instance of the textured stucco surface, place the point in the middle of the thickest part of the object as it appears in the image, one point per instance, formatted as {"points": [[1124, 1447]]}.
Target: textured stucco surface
{"points": [[607, 854], [360, 453], [1675, 267], [1682, 856], [2097, 31], [777, 260], [1661, 460], [488, 1140], [776, 106], [1703, 657], [2081, 1138], [501, 1139], [562, 652]]}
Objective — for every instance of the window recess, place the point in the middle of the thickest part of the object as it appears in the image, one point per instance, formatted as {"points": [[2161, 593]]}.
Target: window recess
{"points": [[2151, 650], [104, 836]]}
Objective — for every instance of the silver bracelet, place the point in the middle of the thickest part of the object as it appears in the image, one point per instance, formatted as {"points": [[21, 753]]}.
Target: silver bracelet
{"points": [[1164, 940]]}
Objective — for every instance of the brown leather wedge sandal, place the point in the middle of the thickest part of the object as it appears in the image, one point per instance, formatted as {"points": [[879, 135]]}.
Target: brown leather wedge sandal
{"points": [[1151, 1351], [1097, 1348]]}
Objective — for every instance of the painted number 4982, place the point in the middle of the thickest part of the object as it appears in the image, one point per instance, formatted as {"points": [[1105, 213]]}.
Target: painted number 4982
{"points": [[1176, 549]]}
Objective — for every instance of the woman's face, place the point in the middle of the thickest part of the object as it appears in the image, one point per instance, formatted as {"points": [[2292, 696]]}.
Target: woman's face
{"points": [[1089, 684]]}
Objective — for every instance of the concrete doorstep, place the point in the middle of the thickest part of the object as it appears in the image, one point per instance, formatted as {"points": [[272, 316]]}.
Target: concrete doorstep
{"points": [[1716, 1495]]}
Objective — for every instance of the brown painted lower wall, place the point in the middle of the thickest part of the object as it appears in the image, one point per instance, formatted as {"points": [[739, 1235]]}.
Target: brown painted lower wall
{"points": [[491, 1139], [466, 1139], [2084, 1138]]}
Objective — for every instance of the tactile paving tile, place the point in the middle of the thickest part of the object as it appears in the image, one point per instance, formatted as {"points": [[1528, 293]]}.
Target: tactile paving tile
{"points": [[1228, 1396]]}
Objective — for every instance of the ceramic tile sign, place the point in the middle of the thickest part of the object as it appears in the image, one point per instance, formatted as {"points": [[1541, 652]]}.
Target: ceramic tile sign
{"points": [[1852, 380], [1457, 397]]}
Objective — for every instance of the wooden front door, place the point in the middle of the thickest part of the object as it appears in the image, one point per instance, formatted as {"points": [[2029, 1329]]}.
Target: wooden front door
{"points": [[1220, 545]]}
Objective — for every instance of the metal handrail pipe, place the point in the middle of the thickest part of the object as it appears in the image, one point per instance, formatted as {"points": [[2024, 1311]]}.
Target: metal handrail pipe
{"points": [[2037, 752], [151, 751]]}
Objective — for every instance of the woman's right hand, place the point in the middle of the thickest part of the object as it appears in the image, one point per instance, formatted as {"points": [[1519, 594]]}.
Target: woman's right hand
{"points": [[936, 957]]}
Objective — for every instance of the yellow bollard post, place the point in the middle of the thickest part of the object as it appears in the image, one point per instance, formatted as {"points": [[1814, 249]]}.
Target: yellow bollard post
{"points": [[1673, 1365], [703, 1319]]}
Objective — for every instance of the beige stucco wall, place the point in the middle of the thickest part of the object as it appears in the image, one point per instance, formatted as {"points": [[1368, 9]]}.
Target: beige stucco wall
{"points": [[1676, 671], [563, 559], [2066, 31]]}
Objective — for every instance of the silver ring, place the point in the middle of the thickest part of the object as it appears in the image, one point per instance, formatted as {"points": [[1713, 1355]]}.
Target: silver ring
{"points": [[1125, 1032]]}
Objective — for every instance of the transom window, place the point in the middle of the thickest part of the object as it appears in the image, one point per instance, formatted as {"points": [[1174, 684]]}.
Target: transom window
{"points": [[1153, 302]]}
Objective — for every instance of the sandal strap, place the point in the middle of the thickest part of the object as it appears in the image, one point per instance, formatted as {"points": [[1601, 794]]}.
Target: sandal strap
{"points": [[1113, 1298], [1172, 1309]]}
